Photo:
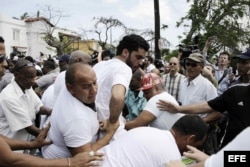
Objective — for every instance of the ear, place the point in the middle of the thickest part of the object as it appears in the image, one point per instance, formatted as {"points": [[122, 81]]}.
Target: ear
{"points": [[125, 53], [191, 140], [70, 88]]}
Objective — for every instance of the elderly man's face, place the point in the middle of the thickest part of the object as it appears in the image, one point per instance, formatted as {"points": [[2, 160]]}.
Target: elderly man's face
{"points": [[193, 69], [26, 77], [174, 66]]}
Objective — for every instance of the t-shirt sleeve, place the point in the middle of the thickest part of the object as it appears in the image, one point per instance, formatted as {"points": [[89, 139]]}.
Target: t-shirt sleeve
{"points": [[122, 77], [77, 132], [220, 103], [151, 107], [17, 117]]}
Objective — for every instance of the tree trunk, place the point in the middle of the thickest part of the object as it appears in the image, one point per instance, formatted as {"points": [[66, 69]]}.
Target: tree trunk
{"points": [[157, 29]]}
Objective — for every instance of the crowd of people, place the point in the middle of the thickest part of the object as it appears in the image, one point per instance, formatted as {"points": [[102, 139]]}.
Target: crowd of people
{"points": [[122, 110]]}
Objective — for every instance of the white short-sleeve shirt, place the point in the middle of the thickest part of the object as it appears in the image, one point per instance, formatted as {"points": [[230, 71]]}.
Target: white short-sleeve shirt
{"points": [[109, 73], [73, 124], [18, 111], [198, 90], [164, 120]]}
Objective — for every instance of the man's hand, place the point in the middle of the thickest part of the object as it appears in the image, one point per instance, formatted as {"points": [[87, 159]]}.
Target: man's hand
{"points": [[108, 126], [195, 154], [85, 159], [166, 106], [40, 140]]}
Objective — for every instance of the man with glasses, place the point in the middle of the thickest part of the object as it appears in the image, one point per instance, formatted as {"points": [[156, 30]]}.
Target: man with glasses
{"points": [[19, 104], [173, 79], [196, 88]]}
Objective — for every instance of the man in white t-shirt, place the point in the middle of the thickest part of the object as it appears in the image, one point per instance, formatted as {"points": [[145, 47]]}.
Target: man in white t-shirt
{"points": [[153, 91], [113, 78], [76, 56], [74, 123], [146, 146]]}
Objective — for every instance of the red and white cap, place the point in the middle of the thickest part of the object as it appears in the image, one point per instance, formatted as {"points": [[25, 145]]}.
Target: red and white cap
{"points": [[149, 80]]}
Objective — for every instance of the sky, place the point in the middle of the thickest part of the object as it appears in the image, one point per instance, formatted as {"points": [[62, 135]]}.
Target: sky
{"points": [[138, 14]]}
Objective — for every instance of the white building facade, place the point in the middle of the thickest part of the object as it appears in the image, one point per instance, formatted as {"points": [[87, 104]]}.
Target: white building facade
{"points": [[27, 36]]}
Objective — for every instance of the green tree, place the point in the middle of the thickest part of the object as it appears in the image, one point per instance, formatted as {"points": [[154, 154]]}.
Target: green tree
{"points": [[59, 41], [24, 16], [227, 21]]}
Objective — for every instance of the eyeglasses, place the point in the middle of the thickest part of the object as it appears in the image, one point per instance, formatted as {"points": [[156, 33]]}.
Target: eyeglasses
{"points": [[2, 58], [191, 64], [174, 64], [25, 65]]}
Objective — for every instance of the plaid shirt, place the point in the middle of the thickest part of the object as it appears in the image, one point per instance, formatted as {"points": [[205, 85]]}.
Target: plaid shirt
{"points": [[172, 84]]}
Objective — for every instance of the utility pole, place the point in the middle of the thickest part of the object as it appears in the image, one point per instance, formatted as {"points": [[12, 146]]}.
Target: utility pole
{"points": [[157, 29]]}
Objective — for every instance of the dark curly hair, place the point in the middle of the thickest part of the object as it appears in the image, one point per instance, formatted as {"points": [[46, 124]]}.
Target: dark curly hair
{"points": [[132, 42]]}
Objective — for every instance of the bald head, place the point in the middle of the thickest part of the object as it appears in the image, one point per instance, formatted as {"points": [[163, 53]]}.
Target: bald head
{"points": [[71, 72], [80, 56], [174, 66], [81, 83], [174, 59]]}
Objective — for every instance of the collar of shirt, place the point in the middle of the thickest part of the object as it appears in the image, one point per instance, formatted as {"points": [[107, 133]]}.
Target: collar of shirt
{"points": [[194, 81], [18, 90]]}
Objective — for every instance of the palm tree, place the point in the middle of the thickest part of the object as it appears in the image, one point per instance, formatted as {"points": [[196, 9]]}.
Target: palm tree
{"points": [[24, 16]]}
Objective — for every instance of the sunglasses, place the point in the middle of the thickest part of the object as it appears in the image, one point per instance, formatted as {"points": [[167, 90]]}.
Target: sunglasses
{"points": [[2, 58], [174, 64], [187, 64]]}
